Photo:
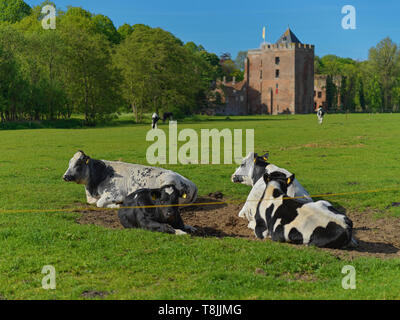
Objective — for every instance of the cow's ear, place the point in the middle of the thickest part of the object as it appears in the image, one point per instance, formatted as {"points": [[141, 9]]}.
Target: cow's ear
{"points": [[255, 157], [265, 157], [290, 180], [86, 159]]}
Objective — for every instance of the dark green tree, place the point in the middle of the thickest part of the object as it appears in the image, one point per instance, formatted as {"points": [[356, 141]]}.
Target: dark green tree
{"points": [[105, 26], [93, 84], [384, 60], [124, 31], [13, 10]]}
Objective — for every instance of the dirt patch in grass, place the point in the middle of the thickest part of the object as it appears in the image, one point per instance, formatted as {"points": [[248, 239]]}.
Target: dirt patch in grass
{"points": [[377, 237], [324, 146], [99, 217], [94, 294]]}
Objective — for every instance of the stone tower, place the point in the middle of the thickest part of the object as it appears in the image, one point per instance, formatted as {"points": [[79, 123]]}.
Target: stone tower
{"points": [[280, 77]]}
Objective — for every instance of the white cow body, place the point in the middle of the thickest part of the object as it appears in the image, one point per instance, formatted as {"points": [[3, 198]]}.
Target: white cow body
{"points": [[108, 183], [132, 177]]}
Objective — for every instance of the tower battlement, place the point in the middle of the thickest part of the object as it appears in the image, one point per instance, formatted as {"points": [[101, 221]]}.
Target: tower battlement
{"points": [[281, 46]]}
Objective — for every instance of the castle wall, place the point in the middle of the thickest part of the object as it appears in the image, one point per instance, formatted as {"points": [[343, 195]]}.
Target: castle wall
{"points": [[290, 92], [304, 80], [320, 92]]}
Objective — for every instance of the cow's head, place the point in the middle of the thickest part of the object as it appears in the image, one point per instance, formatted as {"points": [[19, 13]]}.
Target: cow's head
{"points": [[281, 180], [78, 170], [251, 169], [167, 198]]}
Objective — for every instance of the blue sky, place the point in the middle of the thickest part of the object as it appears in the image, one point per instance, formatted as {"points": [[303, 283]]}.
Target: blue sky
{"points": [[231, 26]]}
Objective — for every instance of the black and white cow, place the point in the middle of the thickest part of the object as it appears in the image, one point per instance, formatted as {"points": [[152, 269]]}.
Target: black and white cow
{"points": [[108, 183], [251, 172], [154, 210], [253, 168], [167, 116], [154, 118], [320, 115], [284, 219]]}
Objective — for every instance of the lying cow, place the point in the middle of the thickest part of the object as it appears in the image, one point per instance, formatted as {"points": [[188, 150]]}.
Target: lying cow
{"points": [[154, 210], [253, 168], [108, 183], [288, 220]]}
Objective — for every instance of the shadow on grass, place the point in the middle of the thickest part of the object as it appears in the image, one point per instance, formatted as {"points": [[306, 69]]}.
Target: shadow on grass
{"points": [[63, 124], [242, 119], [75, 123], [374, 247]]}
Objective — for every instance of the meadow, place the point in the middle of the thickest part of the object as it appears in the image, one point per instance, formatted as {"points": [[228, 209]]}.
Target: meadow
{"points": [[347, 154]]}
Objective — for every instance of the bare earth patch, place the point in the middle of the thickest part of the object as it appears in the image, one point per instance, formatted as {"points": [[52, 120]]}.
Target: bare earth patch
{"points": [[94, 294], [377, 237], [324, 146]]}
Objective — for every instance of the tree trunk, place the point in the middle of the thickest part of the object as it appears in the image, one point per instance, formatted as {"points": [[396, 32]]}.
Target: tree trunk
{"points": [[135, 112]]}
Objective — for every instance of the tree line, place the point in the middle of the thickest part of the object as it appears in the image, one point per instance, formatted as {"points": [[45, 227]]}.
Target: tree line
{"points": [[87, 66], [363, 86]]}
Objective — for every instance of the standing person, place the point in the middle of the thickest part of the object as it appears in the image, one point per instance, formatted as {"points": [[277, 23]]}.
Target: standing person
{"points": [[155, 119], [320, 113]]}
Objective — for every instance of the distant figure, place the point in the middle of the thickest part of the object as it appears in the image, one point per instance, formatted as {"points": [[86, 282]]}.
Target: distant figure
{"points": [[155, 119], [320, 113], [167, 115]]}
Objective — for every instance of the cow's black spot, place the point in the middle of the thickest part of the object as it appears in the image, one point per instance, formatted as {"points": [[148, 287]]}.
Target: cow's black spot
{"points": [[295, 236], [277, 193], [333, 236], [268, 216], [98, 172], [278, 234], [287, 211], [334, 211], [348, 222], [259, 170], [261, 226]]}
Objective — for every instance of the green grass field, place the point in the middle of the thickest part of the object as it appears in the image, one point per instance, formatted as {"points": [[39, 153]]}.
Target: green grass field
{"points": [[348, 153]]}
